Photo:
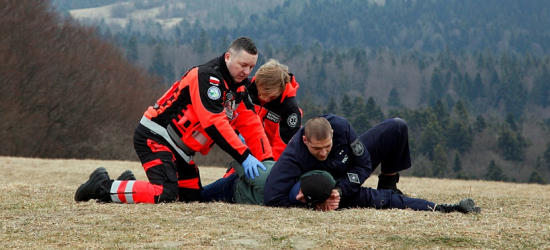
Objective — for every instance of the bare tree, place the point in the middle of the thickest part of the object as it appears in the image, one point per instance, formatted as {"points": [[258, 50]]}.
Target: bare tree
{"points": [[64, 92]]}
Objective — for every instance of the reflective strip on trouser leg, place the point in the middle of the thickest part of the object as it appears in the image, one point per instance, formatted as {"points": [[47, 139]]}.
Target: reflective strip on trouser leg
{"points": [[121, 192]]}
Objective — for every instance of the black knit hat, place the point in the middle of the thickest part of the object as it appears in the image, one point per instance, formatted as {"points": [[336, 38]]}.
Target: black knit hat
{"points": [[316, 188]]}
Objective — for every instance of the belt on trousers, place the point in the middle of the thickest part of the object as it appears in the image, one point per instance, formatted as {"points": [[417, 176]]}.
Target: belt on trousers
{"points": [[185, 152]]}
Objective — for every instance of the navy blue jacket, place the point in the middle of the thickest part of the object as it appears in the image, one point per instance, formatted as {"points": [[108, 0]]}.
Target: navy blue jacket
{"points": [[348, 162]]}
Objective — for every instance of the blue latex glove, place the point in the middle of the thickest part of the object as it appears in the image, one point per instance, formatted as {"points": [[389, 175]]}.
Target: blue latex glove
{"points": [[242, 139], [251, 165]]}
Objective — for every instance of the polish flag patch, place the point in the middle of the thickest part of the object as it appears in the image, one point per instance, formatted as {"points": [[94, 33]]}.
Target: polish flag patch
{"points": [[214, 81]]}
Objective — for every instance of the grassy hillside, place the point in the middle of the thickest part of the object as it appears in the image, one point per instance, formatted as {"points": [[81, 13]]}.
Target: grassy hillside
{"points": [[37, 211]]}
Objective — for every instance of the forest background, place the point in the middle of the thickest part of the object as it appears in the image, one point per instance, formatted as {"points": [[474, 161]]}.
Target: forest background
{"points": [[470, 77]]}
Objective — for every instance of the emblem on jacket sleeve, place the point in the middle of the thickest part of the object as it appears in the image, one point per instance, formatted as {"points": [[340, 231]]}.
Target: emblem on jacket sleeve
{"points": [[357, 147], [353, 178], [292, 120], [214, 81], [214, 93]]}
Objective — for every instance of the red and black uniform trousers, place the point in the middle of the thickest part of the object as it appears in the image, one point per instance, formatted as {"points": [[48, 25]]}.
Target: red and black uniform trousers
{"points": [[171, 178]]}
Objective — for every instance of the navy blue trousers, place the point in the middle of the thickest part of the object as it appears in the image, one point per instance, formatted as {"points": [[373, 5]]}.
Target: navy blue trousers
{"points": [[221, 190], [388, 145], [384, 199]]}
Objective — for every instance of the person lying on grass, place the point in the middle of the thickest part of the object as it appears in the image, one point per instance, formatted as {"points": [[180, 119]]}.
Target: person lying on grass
{"points": [[314, 190], [329, 143]]}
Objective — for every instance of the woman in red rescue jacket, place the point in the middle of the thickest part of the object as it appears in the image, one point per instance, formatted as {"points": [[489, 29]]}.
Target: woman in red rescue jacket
{"points": [[273, 93]]}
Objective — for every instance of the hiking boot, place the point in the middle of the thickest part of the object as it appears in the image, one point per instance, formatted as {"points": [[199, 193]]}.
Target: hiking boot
{"points": [[466, 206], [127, 176], [91, 189], [389, 182]]}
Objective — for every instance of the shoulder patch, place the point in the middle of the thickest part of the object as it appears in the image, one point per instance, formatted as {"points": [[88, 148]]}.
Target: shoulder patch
{"points": [[292, 120], [214, 81], [353, 178], [357, 147], [214, 93]]}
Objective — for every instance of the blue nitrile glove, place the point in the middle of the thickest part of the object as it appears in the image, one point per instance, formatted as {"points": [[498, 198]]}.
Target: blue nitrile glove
{"points": [[251, 165], [242, 139]]}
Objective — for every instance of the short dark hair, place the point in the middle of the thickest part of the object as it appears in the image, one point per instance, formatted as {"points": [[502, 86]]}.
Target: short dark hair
{"points": [[317, 128], [243, 43]]}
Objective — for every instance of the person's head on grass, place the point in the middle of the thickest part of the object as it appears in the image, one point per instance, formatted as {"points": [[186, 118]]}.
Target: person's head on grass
{"points": [[315, 187]]}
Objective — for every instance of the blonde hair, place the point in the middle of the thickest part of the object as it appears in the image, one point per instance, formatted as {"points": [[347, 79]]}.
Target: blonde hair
{"points": [[272, 77]]}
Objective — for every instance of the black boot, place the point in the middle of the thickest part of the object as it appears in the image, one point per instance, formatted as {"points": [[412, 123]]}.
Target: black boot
{"points": [[466, 206], [95, 187], [127, 176], [389, 182]]}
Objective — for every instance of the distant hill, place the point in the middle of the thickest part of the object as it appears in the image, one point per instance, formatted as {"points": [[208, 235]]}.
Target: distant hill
{"points": [[119, 14], [427, 25]]}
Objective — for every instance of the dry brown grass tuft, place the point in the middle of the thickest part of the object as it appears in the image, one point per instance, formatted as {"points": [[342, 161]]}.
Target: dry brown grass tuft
{"points": [[37, 211]]}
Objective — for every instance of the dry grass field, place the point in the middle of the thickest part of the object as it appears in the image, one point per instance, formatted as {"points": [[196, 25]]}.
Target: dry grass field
{"points": [[37, 211]]}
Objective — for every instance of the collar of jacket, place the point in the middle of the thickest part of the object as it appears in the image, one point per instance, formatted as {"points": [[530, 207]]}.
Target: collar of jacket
{"points": [[221, 66], [291, 88]]}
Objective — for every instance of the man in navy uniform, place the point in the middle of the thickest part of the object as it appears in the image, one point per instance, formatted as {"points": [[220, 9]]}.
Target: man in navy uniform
{"points": [[328, 143]]}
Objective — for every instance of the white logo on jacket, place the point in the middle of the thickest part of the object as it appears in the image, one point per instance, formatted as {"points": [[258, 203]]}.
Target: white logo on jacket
{"points": [[292, 120], [214, 93]]}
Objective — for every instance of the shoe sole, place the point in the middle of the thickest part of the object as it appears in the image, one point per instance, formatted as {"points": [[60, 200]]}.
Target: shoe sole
{"points": [[97, 173], [127, 176], [468, 206]]}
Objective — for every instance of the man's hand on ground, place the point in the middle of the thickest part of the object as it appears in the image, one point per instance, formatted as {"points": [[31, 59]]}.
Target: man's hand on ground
{"points": [[331, 203]]}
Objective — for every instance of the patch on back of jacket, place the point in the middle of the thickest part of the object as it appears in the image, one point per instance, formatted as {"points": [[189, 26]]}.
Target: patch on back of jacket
{"points": [[273, 117]]}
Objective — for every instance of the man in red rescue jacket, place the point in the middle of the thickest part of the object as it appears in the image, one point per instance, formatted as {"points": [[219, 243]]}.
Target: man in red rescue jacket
{"points": [[196, 112], [273, 93]]}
